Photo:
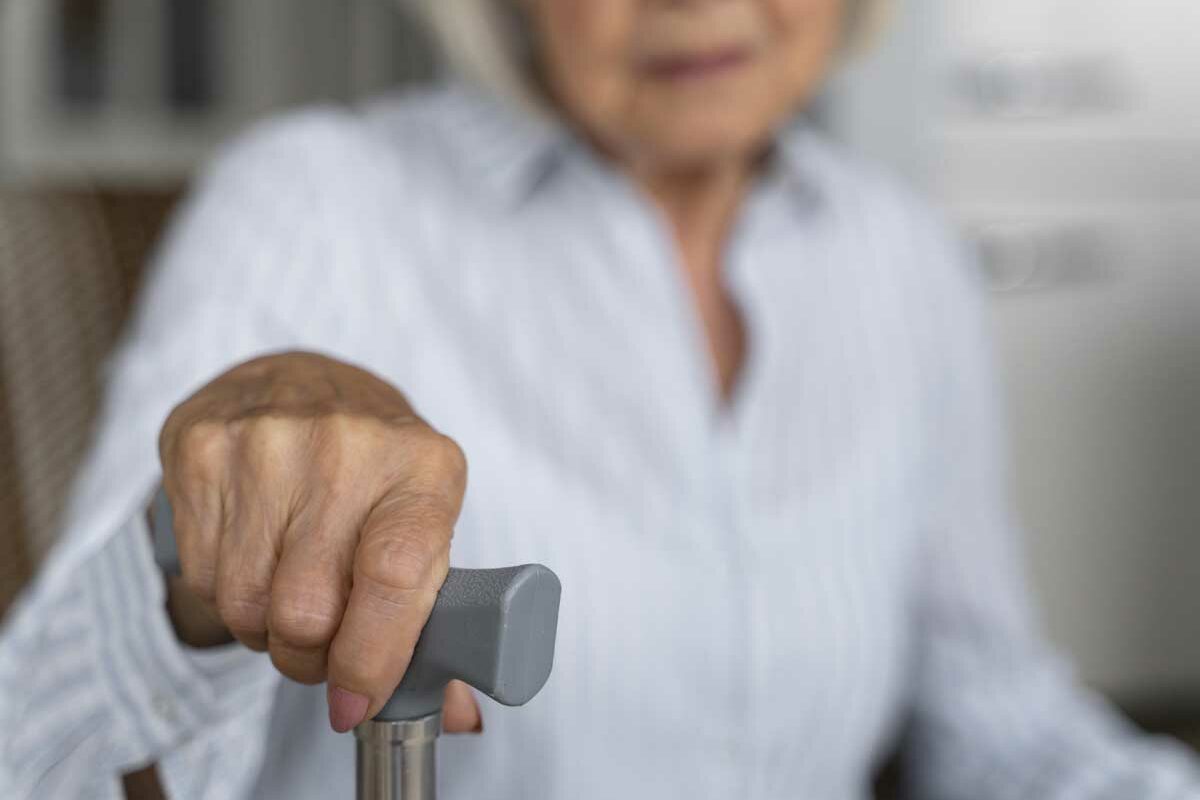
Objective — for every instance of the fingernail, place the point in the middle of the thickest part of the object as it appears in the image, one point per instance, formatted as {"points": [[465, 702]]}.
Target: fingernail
{"points": [[346, 709]]}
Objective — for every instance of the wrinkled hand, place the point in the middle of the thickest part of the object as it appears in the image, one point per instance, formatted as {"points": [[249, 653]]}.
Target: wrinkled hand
{"points": [[313, 515]]}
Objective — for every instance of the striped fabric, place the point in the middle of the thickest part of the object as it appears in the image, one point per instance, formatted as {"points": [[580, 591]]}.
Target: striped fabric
{"points": [[758, 596]]}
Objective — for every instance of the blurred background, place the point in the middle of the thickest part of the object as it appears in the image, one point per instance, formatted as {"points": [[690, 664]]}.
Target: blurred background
{"points": [[1062, 135]]}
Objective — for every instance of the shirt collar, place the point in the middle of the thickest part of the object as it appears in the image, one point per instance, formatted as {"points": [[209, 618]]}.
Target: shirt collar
{"points": [[510, 151], [507, 149], [801, 162]]}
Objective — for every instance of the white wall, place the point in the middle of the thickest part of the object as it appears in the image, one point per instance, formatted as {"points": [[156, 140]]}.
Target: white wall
{"points": [[1103, 362], [1066, 133]]}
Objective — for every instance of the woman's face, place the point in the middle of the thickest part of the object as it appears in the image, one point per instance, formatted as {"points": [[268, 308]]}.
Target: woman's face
{"points": [[680, 83]]}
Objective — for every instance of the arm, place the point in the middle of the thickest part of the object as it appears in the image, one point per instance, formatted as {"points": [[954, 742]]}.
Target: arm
{"points": [[997, 714], [92, 680]]}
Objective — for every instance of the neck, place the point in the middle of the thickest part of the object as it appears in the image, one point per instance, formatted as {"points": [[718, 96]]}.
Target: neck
{"points": [[701, 205]]}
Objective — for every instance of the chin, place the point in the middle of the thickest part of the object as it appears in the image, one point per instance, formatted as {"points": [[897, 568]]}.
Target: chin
{"points": [[698, 144]]}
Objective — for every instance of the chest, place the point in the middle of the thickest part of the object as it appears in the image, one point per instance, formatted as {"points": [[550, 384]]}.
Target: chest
{"points": [[742, 576]]}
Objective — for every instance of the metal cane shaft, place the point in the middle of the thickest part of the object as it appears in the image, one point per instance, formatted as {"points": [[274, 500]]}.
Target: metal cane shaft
{"points": [[396, 760]]}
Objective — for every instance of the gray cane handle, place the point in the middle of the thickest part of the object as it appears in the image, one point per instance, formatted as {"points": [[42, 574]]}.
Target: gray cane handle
{"points": [[492, 628]]}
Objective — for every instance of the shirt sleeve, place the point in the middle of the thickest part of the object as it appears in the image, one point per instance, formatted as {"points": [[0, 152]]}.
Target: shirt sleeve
{"points": [[93, 682], [998, 714]]}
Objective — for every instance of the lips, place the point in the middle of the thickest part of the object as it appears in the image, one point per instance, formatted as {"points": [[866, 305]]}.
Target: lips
{"points": [[694, 66]]}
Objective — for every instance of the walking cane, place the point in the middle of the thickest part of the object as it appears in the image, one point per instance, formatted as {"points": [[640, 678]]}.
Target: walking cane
{"points": [[492, 628]]}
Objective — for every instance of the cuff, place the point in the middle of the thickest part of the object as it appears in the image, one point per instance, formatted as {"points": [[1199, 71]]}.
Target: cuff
{"points": [[165, 691]]}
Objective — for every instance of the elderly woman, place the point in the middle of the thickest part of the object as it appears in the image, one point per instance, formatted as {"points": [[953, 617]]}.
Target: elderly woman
{"points": [[728, 382]]}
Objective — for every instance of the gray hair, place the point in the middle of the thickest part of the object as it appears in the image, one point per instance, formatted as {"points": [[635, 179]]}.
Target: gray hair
{"points": [[487, 41]]}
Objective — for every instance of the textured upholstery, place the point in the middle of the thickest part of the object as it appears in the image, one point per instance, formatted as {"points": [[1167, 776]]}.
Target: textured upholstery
{"points": [[69, 268]]}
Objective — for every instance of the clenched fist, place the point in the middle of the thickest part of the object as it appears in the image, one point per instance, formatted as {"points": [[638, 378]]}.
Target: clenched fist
{"points": [[313, 515]]}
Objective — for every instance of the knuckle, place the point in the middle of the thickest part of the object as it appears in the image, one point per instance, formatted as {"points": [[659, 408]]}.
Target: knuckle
{"points": [[436, 450], [344, 429], [202, 448], [270, 434], [244, 609], [436, 467], [398, 563], [448, 458], [356, 438], [168, 434], [305, 619], [339, 449]]}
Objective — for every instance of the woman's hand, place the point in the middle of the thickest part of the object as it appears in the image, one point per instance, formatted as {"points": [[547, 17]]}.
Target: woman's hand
{"points": [[313, 514]]}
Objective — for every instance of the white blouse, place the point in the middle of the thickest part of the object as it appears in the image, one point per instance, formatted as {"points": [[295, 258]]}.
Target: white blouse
{"points": [[758, 598]]}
